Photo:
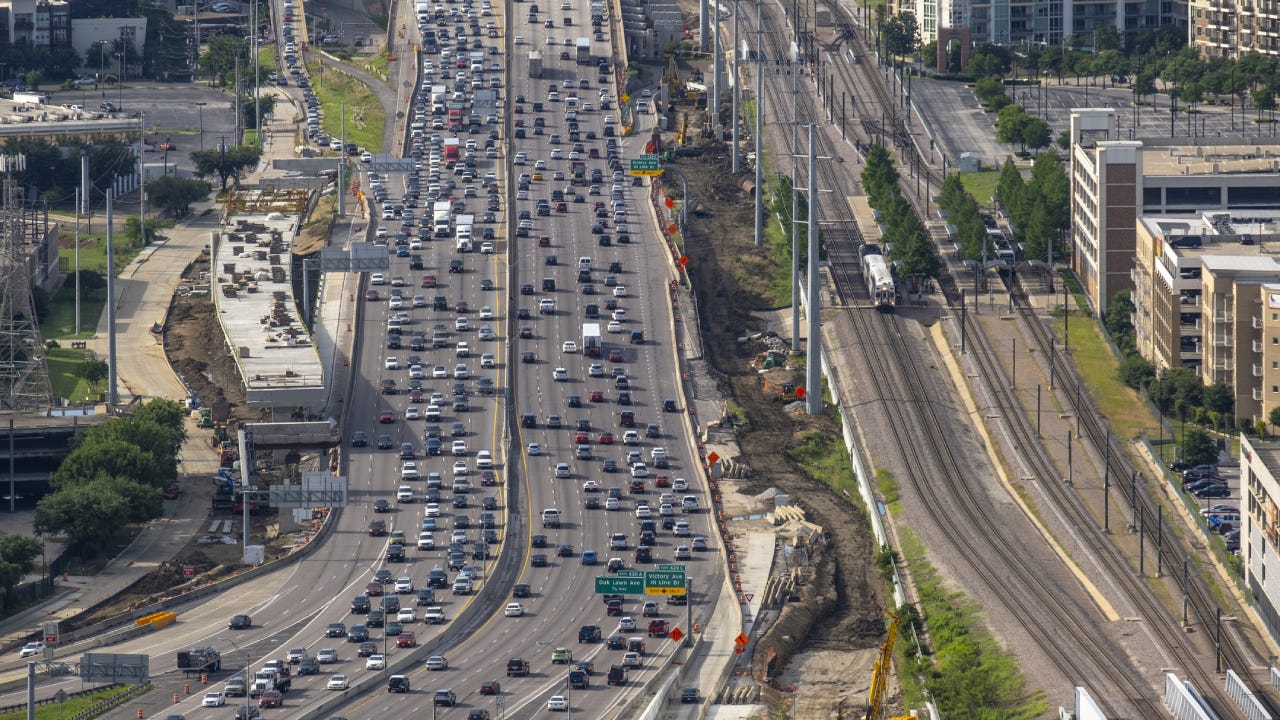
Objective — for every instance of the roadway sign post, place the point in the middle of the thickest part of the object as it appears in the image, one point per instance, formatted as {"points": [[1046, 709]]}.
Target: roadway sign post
{"points": [[645, 165]]}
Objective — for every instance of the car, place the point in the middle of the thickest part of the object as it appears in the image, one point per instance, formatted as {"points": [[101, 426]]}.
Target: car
{"points": [[338, 682], [514, 609], [490, 687], [626, 623], [437, 663], [213, 698], [271, 699], [406, 639], [404, 585], [569, 346], [377, 661], [560, 374], [295, 655], [689, 695], [557, 702], [326, 656], [1213, 491], [237, 622]]}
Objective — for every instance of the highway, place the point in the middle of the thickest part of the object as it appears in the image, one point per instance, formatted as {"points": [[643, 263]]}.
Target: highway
{"points": [[292, 606]]}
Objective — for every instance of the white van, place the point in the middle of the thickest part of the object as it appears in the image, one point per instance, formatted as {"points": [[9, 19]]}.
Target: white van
{"points": [[584, 263]]}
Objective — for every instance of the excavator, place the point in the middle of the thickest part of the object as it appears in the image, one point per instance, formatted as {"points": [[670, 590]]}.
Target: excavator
{"points": [[877, 699]]}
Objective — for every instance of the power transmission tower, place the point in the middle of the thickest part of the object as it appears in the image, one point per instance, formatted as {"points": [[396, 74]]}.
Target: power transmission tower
{"points": [[24, 377]]}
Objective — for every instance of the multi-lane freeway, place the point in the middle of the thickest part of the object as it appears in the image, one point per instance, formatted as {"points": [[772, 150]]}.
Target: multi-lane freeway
{"points": [[483, 399]]}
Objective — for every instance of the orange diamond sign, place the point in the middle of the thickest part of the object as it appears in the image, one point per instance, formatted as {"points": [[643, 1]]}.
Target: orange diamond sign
{"points": [[713, 458], [741, 640], [677, 634]]}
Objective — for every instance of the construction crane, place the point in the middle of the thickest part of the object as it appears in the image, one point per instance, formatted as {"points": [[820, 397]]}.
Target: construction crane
{"points": [[671, 78], [880, 675]]}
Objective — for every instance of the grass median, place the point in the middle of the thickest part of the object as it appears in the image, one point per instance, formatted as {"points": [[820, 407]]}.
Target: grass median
{"points": [[71, 707], [365, 116]]}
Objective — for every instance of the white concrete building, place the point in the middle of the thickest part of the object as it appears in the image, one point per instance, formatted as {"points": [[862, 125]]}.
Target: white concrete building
{"points": [[1260, 527]]}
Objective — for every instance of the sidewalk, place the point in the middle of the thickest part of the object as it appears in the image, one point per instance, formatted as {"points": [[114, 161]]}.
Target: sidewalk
{"points": [[144, 290]]}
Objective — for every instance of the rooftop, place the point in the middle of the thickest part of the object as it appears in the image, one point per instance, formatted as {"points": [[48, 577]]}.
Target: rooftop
{"points": [[1210, 159], [1219, 234], [256, 307]]}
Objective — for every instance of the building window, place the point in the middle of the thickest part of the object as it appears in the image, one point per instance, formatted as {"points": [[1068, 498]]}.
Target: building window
{"points": [[1275, 388], [1275, 365]]}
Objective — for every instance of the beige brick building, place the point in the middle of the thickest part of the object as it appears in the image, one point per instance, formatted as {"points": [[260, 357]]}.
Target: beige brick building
{"points": [[1207, 297], [1230, 28]]}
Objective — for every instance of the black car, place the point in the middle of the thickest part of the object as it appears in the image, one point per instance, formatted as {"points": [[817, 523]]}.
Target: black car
{"points": [[376, 619], [240, 622], [381, 506], [360, 604], [335, 630], [520, 590], [528, 420], [616, 642], [573, 401], [309, 666], [539, 541], [689, 695], [610, 466], [565, 550], [538, 560], [528, 357], [358, 633], [359, 438], [384, 442]]}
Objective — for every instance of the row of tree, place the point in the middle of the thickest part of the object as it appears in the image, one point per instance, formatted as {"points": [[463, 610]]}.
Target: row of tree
{"points": [[114, 476], [905, 237], [1040, 208]]}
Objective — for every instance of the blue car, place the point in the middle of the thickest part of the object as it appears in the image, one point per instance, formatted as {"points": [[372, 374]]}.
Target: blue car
{"points": [[589, 557], [402, 251]]}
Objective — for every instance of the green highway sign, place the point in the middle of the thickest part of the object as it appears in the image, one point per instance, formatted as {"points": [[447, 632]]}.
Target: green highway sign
{"points": [[620, 585], [631, 573], [666, 580], [645, 165]]}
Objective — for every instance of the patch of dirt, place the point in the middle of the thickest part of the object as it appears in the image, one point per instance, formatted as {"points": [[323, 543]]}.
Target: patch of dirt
{"points": [[839, 620]]}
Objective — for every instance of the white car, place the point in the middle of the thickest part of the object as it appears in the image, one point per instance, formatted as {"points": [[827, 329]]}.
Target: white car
{"points": [[486, 248], [439, 372], [412, 413], [339, 682], [611, 503], [404, 585], [610, 120], [404, 494], [631, 660], [514, 609], [376, 662], [486, 333], [626, 623], [569, 346], [563, 470], [327, 656], [32, 648], [409, 471], [519, 40], [620, 291], [460, 372], [213, 698], [486, 313], [615, 327], [460, 468], [433, 510], [620, 315], [534, 449], [459, 447], [463, 349], [488, 361], [484, 460], [392, 363], [377, 279], [557, 703], [560, 374], [407, 615], [437, 662]]}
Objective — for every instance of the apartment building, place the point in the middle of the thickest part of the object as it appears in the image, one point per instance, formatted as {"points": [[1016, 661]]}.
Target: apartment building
{"points": [[39, 23], [1207, 296], [1114, 182], [1260, 527], [1047, 22], [1229, 28]]}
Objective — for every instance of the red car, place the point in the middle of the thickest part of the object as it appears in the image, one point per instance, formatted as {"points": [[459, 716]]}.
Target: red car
{"points": [[544, 241], [519, 109], [490, 687], [488, 478], [373, 589], [606, 438], [615, 356], [428, 281], [581, 437], [406, 640], [596, 396], [371, 295], [366, 649], [416, 396], [271, 699], [662, 481], [387, 418]]}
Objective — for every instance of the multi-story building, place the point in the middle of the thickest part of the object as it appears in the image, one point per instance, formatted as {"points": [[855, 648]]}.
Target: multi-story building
{"points": [[38, 23], [1114, 182], [1048, 22], [1260, 527], [1207, 296], [1230, 28]]}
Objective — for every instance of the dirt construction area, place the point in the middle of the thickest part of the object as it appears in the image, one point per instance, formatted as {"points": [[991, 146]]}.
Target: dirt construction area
{"points": [[826, 639]]}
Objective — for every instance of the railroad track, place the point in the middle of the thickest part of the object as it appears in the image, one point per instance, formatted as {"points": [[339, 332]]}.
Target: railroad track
{"points": [[1173, 549], [1080, 650]]}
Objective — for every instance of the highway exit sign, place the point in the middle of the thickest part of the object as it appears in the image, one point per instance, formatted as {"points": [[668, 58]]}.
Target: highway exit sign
{"points": [[645, 165], [609, 585], [666, 580]]}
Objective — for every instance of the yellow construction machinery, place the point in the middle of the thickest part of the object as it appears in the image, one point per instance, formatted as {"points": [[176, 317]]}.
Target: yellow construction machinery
{"points": [[682, 137], [671, 78], [876, 699]]}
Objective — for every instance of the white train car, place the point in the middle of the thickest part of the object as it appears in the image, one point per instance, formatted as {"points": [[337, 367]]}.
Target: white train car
{"points": [[880, 284]]}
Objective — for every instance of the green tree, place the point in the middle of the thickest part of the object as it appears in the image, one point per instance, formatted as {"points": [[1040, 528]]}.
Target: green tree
{"points": [[225, 163], [1119, 319], [1010, 186], [138, 234], [1218, 399], [988, 89], [90, 513], [175, 194], [116, 458], [18, 555], [1198, 448], [266, 103], [1107, 39], [901, 33], [1035, 133], [1009, 124], [168, 414], [95, 370], [1135, 372], [1274, 417], [219, 60]]}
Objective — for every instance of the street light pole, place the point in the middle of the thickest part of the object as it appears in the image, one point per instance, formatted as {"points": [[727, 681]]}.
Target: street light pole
{"points": [[200, 106], [247, 680]]}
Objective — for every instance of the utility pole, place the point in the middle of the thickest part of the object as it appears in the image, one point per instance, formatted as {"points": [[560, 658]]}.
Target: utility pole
{"points": [[77, 263], [795, 215], [759, 209], [737, 50], [703, 23], [813, 361], [714, 106], [113, 396], [239, 112], [342, 162]]}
